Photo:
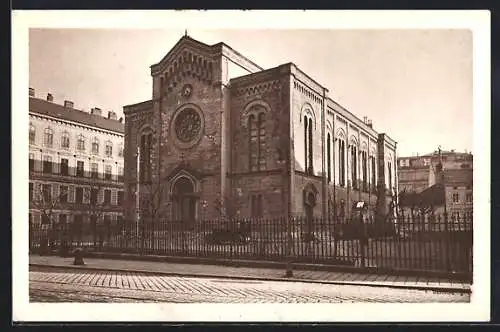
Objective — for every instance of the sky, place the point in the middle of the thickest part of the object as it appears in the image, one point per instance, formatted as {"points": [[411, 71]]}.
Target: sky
{"points": [[415, 85]]}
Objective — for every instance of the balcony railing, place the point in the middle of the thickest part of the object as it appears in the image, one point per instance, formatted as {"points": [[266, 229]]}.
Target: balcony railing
{"points": [[37, 167]]}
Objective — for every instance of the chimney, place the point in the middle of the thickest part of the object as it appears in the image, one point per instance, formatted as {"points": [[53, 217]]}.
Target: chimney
{"points": [[50, 97], [365, 119], [32, 92], [68, 104], [369, 123], [112, 115], [96, 111], [120, 120]]}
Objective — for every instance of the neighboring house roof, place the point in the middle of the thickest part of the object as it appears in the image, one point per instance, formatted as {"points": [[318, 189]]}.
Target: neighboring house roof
{"points": [[432, 196], [44, 107]]}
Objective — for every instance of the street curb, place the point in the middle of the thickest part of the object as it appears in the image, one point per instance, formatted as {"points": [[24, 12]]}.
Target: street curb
{"points": [[205, 275], [276, 265]]}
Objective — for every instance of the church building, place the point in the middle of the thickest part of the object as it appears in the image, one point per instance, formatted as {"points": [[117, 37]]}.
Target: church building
{"points": [[222, 135]]}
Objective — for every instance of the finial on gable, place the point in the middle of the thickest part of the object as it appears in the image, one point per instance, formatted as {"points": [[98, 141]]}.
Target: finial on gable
{"points": [[185, 32]]}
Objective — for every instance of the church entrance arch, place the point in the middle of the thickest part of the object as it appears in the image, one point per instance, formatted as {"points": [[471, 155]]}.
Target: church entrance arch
{"points": [[184, 201]]}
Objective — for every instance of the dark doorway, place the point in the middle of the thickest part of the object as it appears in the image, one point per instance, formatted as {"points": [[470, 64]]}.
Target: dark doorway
{"points": [[184, 201]]}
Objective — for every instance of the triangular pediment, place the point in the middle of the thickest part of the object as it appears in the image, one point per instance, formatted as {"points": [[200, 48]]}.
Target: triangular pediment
{"points": [[187, 57]]}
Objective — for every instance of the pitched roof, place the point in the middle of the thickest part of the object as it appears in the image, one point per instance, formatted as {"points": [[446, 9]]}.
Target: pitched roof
{"points": [[432, 196], [44, 107]]}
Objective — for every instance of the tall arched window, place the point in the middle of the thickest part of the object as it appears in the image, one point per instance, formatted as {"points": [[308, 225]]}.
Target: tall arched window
{"points": [[364, 167], [32, 134], [389, 176], [261, 124], [373, 173], [49, 137], [306, 140], [80, 143], [145, 150], [310, 150], [328, 158], [354, 166], [65, 140], [253, 144], [308, 144], [342, 162], [109, 149], [257, 141]]}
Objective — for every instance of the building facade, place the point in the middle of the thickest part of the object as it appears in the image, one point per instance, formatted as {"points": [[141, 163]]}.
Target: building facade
{"points": [[75, 164], [223, 135], [450, 171]]}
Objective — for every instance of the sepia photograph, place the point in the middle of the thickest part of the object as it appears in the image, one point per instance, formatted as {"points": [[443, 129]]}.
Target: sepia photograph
{"points": [[199, 162]]}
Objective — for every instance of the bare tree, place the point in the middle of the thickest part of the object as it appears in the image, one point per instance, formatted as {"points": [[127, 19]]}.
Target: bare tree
{"points": [[152, 202], [45, 202], [95, 211], [151, 207]]}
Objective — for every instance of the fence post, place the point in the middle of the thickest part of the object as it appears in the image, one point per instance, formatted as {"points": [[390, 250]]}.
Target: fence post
{"points": [[363, 239], [447, 240]]}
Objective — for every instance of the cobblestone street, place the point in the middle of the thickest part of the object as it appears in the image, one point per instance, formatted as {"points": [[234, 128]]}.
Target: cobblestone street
{"points": [[53, 285]]}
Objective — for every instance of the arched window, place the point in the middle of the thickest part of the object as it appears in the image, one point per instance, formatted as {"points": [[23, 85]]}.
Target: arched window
{"points": [[364, 167], [308, 144], [49, 137], [342, 162], [95, 145], [109, 149], [354, 166], [145, 151], [373, 172], [32, 134], [80, 143], [389, 176], [257, 141], [328, 158], [310, 150], [65, 140]]}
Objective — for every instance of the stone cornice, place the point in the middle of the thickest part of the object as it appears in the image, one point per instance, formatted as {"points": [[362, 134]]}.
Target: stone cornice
{"points": [[142, 106], [238, 58], [184, 43], [307, 80], [277, 171], [257, 88], [255, 78]]}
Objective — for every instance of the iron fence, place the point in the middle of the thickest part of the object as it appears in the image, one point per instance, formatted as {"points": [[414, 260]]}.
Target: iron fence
{"points": [[426, 243]]}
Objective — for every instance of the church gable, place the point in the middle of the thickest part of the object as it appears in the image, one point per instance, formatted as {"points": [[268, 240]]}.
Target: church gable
{"points": [[188, 58]]}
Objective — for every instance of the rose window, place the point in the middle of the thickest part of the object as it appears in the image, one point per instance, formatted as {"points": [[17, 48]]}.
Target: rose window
{"points": [[187, 125]]}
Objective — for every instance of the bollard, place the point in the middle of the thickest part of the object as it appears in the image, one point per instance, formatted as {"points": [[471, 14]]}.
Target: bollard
{"points": [[78, 257]]}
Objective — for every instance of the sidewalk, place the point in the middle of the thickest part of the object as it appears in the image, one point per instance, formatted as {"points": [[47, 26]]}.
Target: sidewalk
{"points": [[217, 271]]}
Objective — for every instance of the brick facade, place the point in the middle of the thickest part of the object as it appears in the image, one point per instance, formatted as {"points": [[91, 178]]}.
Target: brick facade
{"points": [[252, 138]]}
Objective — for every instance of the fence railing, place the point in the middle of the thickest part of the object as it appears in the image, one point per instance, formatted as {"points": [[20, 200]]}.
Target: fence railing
{"points": [[425, 243]]}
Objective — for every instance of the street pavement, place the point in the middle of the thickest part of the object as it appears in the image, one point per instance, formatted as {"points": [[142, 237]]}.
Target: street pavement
{"points": [[216, 271], [49, 284]]}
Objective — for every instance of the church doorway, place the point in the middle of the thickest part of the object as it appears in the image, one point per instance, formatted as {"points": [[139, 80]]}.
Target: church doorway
{"points": [[184, 201]]}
